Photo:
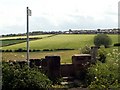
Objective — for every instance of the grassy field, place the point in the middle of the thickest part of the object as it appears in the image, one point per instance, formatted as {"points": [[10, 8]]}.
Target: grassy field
{"points": [[60, 41], [31, 36], [65, 55], [7, 41], [74, 41]]}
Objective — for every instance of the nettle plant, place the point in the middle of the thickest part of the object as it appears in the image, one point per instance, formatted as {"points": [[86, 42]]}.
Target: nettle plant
{"points": [[106, 75]]}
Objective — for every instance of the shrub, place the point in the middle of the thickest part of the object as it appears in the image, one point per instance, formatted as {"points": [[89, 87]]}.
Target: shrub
{"points": [[46, 50], [61, 49], [24, 50], [102, 55], [16, 78], [117, 44], [105, 75], [8, 51], [102, 39], [85, 50], [20, 50], [38, 50], [34, 50], [3, 50]]}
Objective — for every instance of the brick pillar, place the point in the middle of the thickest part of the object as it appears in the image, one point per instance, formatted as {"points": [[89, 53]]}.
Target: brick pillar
{"points": [[94, 50], [80, 63], [53, 67]]}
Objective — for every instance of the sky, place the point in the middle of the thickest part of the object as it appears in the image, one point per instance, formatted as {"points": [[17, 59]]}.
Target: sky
{"points": [[57, 15]]}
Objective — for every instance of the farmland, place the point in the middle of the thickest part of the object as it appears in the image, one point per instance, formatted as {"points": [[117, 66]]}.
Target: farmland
{"points": [[16, 37], [7, 41], [72, 41], [60, 41], [11, 42]]}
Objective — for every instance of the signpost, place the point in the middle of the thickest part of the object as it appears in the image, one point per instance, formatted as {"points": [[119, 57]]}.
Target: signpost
{"points": [[28, 14]]}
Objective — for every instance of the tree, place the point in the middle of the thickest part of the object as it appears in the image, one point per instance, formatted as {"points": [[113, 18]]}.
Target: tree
{"points": [[102, 39]]}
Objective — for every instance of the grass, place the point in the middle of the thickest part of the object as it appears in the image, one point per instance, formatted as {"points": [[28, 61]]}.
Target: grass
{"points": [[74, 41], [7, 41], [65, 55], [31, 36], [58, 41], [11, 42]]}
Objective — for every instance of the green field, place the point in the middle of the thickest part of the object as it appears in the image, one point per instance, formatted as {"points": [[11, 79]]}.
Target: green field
{"points": [[74, 41], [65, 55], [60, 41], [31, 36], [7, 41], [12, 41]]}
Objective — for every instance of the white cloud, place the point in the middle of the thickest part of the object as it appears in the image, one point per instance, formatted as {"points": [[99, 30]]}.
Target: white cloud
{"points": [[55, 14]]}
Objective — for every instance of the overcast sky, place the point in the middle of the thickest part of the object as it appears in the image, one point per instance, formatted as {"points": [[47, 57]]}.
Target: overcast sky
{"points": [[50, 15]]}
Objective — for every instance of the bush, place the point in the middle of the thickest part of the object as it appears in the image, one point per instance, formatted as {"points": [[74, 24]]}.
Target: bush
{"points": [[38, 50], [3, 50], [46, 50], [85, 50], [20, 50], [117, 44], [61, 49], [102, 39], [8, 50], [105, 75], [34, 50], [16, 78]]}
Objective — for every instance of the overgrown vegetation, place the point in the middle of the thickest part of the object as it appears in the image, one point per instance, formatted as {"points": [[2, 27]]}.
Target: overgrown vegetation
{"points": [[106, 72], [85, 50], [25, 78], [106, 75], [102, 54]]}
